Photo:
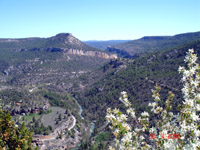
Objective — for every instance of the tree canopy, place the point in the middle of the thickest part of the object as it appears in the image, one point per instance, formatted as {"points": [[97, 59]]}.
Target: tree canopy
{"points": [[13, 136]]}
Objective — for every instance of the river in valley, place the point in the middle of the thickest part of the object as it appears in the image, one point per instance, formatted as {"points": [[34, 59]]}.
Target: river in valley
{"points": [[80, 113], [92, 123]]}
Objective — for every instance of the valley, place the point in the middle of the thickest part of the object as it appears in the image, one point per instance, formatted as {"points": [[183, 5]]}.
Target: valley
{"points": [[38, 85], [61, 87]]}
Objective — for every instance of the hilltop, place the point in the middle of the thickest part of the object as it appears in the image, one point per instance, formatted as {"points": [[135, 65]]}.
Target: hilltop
{"points": [[153, 43], [61, 40]]}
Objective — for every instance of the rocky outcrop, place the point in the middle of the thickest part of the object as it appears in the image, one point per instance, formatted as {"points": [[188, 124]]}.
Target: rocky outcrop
{"points": [[92, 54], [118, 51], [66, 39]]}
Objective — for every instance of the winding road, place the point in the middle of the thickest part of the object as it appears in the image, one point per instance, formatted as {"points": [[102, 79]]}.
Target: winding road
{"points": [[58, 130]]}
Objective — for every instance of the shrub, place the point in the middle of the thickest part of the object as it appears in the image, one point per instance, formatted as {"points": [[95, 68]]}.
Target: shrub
{"points": [[13, 136]]}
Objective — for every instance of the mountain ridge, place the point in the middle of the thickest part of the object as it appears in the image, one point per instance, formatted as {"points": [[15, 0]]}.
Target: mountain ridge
{"points": [[100, 44], [154, 43], [62, 42]]}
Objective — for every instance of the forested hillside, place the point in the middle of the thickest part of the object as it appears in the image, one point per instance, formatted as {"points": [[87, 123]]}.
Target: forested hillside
{"points": [[153, 43], [137, 78]]}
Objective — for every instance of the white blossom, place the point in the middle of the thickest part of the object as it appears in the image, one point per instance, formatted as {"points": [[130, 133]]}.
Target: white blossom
{"points": [[145, 114], [198, 107], [194, 116]]}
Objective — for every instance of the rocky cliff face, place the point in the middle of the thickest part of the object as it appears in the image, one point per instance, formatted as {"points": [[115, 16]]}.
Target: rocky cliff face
{"points": [[92, 54]]}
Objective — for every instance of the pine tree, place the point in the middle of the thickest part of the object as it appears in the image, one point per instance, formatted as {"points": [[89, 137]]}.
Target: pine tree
{"points": [[13, 136]]}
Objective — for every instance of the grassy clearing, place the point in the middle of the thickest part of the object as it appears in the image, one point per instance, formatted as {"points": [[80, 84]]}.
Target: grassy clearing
{"points": [[50, 119], [28, 118]]}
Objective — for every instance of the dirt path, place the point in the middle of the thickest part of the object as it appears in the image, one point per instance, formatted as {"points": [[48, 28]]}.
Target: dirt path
{"points": [[73, 124]]}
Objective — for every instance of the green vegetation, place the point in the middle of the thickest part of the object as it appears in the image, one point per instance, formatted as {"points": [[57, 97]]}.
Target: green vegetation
{"points": [[21, 101], [155, 43], [137, 78], [13, 136], [103, 137], [60, 99], [95, 146], [38, 128], [30, 117], [11, 96]]}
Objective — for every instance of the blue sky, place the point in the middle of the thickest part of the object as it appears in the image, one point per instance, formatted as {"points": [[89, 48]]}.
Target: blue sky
{"points": [[98, 19]]}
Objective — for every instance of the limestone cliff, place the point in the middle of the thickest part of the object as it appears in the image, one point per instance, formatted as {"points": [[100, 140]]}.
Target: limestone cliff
{"points": [[92, 54]]}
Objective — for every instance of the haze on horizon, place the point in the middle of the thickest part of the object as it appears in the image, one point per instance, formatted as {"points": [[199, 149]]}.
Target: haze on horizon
{"points": [[98, 20]]}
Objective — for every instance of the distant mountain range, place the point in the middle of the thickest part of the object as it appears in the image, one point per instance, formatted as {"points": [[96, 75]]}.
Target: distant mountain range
{"points": [[153, 43], [104, 44]]}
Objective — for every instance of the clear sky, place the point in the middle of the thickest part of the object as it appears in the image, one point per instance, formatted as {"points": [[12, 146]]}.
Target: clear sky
{"points": [[98, 19]]}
